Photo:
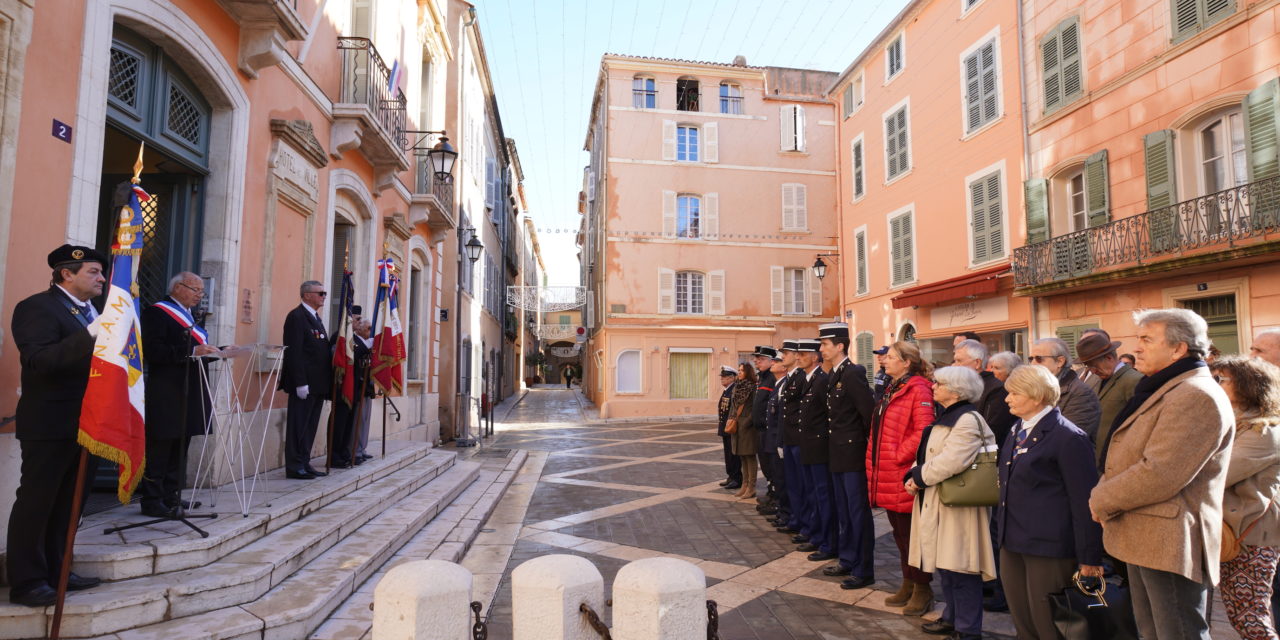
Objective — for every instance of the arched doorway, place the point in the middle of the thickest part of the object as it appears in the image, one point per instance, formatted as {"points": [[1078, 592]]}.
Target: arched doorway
{"points": [[150, 99]]}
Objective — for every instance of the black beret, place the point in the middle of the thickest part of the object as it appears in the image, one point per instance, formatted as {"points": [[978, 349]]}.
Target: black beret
{"points": [[68, 254]]}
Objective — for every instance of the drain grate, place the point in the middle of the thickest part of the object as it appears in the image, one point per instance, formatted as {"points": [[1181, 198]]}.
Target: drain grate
{"points": [[494, 453]]}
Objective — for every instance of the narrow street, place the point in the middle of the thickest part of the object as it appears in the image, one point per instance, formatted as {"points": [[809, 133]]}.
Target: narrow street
{"points": [[620, 492]]}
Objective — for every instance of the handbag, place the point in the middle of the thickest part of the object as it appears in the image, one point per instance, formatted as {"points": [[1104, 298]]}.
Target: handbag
{"points": [[976, 486], [731, 426], [1231, 543], [1105, 613]]}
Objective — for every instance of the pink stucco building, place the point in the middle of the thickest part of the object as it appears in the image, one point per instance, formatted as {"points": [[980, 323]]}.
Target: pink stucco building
{"points": [[709, 193]]}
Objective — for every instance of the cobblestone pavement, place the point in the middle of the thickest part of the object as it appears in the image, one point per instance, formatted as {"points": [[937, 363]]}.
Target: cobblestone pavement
{"points": [[618, 492]]}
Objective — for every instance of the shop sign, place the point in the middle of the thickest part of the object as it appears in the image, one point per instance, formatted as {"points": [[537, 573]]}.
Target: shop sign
{"points": [[972, 312]]}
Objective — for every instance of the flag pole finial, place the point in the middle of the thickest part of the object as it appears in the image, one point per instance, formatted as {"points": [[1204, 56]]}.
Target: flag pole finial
{"points": [[137, 166]]}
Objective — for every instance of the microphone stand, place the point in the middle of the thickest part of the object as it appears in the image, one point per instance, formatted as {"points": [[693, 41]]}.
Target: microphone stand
{"points": [[179, 514]]}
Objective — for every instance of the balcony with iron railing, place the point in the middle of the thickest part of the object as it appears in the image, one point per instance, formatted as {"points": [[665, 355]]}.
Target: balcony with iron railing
{"points": [[1235, 224], [370, 114], [432, 199]]}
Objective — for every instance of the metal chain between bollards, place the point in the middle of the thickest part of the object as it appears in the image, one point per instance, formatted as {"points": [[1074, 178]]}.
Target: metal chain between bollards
{"points": [[479, 631], [713, 621], [595, 621]]}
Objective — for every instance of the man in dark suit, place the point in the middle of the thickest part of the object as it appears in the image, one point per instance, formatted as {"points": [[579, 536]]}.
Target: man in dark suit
{"points": [[54, 331], [815, 431], [178, 406], [732, 463], [764, 358], [347, 450], [307, 376], [790, 395], [849, 409]]}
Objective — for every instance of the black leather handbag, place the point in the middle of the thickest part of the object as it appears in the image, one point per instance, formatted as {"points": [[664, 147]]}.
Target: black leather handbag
{"points": [[1104, 613]]}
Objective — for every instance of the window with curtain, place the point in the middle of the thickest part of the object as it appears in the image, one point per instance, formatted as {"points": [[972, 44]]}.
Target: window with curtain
{"points": [[794, 291], [689, 289], [688, 210], [689, 373], [730, 98], [686, 143], [644, 93]]}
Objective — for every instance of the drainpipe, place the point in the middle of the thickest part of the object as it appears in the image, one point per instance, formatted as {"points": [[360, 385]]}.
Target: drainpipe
{"points": [[1033, 330]]}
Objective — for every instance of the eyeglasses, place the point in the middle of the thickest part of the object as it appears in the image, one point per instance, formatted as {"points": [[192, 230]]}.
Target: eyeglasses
{"points": [[1221, 379], [187, 286], [1039, 359], [320, 293]]}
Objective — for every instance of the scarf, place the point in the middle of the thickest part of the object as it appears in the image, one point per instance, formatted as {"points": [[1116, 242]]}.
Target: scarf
{"points": [[1143, 391]]}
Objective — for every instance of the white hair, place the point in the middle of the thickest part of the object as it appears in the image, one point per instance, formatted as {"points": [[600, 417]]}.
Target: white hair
{"points": [[1006, 360], [975, 349], [1180, 325], [1059, 348], [181, 278], [964, 381]]}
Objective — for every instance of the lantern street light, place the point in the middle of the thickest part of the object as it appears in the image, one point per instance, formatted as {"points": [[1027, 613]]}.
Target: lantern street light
{"points": [[820, 268], [474, 246]]}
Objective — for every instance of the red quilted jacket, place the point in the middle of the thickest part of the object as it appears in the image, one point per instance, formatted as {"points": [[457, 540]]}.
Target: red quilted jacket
{"points": [[899, 421]]}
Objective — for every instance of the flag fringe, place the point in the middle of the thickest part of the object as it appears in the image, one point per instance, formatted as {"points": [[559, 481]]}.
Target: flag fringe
{"points": [[125, 489]]}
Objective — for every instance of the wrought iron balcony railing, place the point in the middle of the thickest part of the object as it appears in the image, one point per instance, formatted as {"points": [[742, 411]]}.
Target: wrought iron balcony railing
{"points": [[427, 183], [1212, 222], [366, 79]]}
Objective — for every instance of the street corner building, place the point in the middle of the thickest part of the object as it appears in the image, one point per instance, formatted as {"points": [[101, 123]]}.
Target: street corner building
{"points": [[285, 141], [709, 191]]}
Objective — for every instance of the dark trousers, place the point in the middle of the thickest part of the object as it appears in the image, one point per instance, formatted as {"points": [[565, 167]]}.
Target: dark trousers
{"points": [[797, 490], [1028, 580], [1167, 605], [164, 475], [901, 523], [42, 512], [855, 528], [732, 463], [300, 430], [822, 506], [779, 483], [962, 593], [344, 422]]}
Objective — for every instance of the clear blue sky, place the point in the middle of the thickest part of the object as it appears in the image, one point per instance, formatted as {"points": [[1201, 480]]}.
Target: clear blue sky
{"points": [[545, 55]]}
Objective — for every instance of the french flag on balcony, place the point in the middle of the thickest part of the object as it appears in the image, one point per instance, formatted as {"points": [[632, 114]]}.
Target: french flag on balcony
{"points": [[113, 413], [394, 83]]}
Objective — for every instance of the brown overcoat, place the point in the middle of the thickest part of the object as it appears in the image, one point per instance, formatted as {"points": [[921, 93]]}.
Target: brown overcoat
{"points": [[1160, 495]]}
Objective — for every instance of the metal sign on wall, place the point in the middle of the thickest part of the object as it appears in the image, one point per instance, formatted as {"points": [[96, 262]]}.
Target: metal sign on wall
{"points": [[973, 312]]}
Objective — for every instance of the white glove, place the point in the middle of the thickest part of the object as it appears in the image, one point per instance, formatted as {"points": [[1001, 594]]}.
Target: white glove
{"points": [[780, 452], [303, 391]]}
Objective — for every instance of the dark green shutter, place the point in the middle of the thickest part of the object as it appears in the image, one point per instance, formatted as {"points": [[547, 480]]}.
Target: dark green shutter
{"points": [[1097, 192], [864, 354], [860, 240], [1051, 70], [978, 220], [1036, 193], [1162, 195], [1072, 73]]}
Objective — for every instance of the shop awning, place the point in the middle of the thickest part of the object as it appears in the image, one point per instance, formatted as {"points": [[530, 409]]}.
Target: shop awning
{"points": [[978, 283]]}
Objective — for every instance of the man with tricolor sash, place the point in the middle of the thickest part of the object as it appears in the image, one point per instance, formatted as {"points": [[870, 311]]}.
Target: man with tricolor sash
{"points": [[178, 405]]}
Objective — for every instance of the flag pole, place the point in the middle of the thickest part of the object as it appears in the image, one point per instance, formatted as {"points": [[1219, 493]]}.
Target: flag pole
{"points": [[336, 389], [77, 498], [383, 291]]}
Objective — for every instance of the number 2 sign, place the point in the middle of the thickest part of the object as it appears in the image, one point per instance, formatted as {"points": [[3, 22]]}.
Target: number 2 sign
{"points": [[62, 131]]}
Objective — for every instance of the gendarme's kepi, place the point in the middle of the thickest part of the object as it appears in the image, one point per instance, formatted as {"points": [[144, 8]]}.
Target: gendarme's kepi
{"points": [[810, 346], [766, 351], [833, 330], [791, 345]]}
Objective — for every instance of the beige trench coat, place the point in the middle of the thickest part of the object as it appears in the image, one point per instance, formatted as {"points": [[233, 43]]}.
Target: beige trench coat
{"points": [[953, 538], [1253, 481], [1160, 496]]}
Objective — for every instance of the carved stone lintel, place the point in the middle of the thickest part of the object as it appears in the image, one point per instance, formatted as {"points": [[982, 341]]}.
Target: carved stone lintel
{"points": [[344, 135], [302, 136], [396, 226]]}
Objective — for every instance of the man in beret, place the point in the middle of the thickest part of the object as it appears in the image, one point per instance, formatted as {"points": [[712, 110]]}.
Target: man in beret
{"points": [[54, 331]]}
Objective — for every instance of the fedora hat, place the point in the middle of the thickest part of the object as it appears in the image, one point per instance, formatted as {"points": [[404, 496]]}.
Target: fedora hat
{"points": [[1094, 346]]}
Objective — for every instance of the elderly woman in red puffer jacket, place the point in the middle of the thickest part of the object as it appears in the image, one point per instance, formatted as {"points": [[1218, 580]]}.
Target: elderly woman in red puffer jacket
{"points": [[901, 416]]}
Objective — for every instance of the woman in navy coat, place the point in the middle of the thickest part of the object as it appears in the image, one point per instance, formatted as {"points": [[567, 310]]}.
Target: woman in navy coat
{"points": [[1045, 531]]}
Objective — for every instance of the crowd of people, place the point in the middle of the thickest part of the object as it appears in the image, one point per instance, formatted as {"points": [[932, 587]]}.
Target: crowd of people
{"points": [[1156, 470]]}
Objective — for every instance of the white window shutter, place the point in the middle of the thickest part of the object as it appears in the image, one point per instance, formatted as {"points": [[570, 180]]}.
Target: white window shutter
{"points": [[802, 206], [591, 186], [788, 206], [711, 216], [715, 292], [711, 142], [800, 129], [786, 116], [668, 139], [776, 301], [668, 214], [814, 285], [666, 291]]}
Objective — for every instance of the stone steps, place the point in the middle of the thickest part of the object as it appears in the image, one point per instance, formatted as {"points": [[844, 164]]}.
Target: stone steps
{"points": [[317, 539], [448, 537]]}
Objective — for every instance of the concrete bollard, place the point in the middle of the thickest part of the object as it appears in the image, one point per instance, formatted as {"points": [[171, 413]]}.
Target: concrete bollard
{"points": [[423, 600], [659, 599], [545, 595]]}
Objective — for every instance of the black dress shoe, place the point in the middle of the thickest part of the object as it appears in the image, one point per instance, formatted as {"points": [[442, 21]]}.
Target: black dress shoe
{"points": [[733, 485], [799, 538], [366, 456], [938, 627], [836, 570], [768, 511], [316, 472], [819, 556], [807, 547], [724, 482], [857, 582], [80, 583], [360, 460], [783, 528], [41, 596], [298, 475], [995, 604], [158, 511]]}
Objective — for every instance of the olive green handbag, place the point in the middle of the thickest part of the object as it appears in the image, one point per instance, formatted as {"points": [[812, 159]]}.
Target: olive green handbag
{"points": [[976, 486]]}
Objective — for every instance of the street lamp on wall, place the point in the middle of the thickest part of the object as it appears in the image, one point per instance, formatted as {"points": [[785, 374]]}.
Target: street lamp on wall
{"points": [[441, 156], [820, 266], [474, 247]]}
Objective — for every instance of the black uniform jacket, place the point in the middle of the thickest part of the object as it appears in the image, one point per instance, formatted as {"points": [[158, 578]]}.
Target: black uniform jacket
{"points": [[172, 376], [723, 408], [792, 395], [54, 349], [307, 357], [773, 422], [815, 429], [760, 402], [849, 409]]}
